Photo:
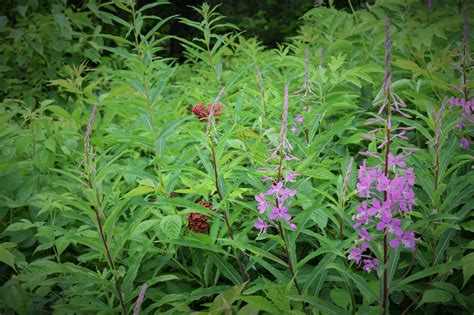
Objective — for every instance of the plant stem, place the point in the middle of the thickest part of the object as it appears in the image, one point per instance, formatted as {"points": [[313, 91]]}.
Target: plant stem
{"points": [[230, 231], [385, 238], [388, 126], [262, 89], [88, 163], [282, 234]]}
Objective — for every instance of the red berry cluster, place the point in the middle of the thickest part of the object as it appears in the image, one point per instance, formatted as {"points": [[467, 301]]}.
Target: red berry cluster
{"points": [[202, 111], [198, 222]]}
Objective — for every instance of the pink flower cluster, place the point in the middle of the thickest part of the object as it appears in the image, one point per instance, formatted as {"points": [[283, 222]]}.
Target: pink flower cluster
{"points": [[277, 198], [468, 112], [388, 198], [274, 203]]}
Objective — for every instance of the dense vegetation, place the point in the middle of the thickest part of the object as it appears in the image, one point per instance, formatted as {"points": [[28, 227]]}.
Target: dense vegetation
{"points": [[330, 175]]}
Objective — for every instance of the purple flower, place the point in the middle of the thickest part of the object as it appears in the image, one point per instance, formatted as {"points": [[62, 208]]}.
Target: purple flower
{"points": [[277, 197], [407, 239], [285, 193], [363, 215], [410, 176], [465, 143], [294, 129], [262, 203], [388, 186], [299, 119], [275, 189], [280, 212], [390, 226], [370, 264], [291, 177], [262, 225], [396, 160], [383, 183], [355, 254], [363, 186], [364, 234]]}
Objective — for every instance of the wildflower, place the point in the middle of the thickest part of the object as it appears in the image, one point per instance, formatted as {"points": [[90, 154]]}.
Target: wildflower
{"points": [[275, 189], [262, 203], [277, 197], [280, 212], [298, 120], [364, 234], [370, 264], [406, 239], [388, 187], [465, 143], [389, 225], [262, 225], [291, 177], [355, 254]]}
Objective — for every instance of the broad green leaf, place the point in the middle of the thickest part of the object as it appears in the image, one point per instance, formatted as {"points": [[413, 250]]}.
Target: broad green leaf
{"points": [[171, 226], [435, 296]]}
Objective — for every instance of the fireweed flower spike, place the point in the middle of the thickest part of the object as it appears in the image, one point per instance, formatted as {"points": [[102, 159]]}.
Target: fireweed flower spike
{"points": [[141, 297], [306, 94], [273, 205], [466, 105], [278, 196], [387, 188]]}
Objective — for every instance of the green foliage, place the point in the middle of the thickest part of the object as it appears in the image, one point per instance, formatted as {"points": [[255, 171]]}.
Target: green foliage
{"points": [[147, 161]]}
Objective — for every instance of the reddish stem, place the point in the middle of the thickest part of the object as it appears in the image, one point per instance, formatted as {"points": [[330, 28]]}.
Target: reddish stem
{"points": [[230, 231], [282, 234]]}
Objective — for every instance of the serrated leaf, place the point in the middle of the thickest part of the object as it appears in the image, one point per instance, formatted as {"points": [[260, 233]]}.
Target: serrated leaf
{"points": [[6, 256], [171, 226]]}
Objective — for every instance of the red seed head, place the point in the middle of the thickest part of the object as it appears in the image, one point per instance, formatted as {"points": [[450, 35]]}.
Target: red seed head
{"points": [[198, 222], [202, 111]]}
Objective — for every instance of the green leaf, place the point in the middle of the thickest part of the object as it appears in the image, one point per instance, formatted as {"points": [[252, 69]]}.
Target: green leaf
{"points": [[226, 268], [138, 191], [260, 303], [428, 272], [16, 298], [171, 226], [6, 256], [341, 298], [407, 64], [435, 296], [467, 267], [359, 281], [468, 226], [223, 302]]}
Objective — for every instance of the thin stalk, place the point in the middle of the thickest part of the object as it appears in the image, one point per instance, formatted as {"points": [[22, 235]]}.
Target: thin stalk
{"points": [[343, 197], [464, 55], [388, 126], [282, 234], [262, 90], [89, 176], [146, 89], [230, 231], [438, 122]]}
